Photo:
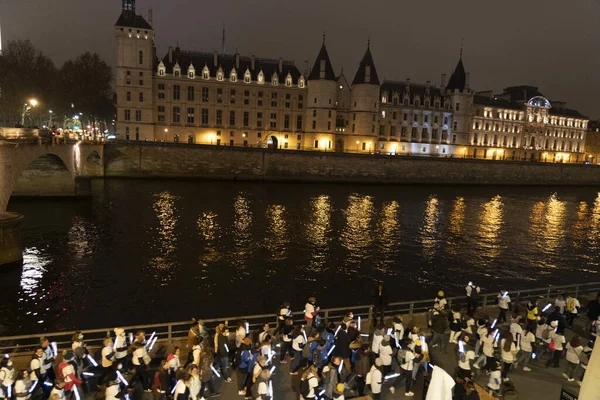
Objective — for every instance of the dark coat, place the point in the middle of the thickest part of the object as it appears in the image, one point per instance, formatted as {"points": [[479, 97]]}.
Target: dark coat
{"points": [[342, 345]]}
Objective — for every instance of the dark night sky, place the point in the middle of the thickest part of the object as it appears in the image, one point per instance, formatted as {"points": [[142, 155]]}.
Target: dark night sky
{"points": [[550, 44]]}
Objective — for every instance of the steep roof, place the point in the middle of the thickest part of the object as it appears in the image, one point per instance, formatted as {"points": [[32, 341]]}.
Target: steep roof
{"points": [[458, 80], [414, 89], [227, 62], [315, 73], [361, 74], [130, 20], [566, 112]]}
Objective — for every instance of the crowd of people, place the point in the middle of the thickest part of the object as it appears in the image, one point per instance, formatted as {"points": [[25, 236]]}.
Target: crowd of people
{"points": [[332, 359]]}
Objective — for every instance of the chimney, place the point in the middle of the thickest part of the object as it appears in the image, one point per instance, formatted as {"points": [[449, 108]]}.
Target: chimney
{"points": [[427, 86], [281, 65], [150, 16], [407, 84], [253, 62], [215, 58], [170, 54], [443, 81], [237, 60], [467, 79]]}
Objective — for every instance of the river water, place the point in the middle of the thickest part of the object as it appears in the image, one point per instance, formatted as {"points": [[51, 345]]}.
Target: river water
{"points": [[149, 251]]}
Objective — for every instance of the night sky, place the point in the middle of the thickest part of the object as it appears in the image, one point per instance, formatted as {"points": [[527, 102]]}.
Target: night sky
{"points": [[551, 44]]}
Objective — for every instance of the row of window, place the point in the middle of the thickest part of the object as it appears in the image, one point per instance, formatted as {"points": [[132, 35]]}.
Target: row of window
{"points": [[233, 76], [417, 102], [415, 118], [531, 142], [518, 116], [205, 96], [191, 118], [140, 80]]}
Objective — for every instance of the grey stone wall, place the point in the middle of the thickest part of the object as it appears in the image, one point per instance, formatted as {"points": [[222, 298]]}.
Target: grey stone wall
{"points": [[211, 162]]}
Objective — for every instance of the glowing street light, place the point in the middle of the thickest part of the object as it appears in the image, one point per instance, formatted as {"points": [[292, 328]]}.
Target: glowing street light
{"points": [[33, 102]]}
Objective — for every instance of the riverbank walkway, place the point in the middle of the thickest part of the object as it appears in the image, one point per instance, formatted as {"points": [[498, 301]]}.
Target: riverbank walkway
{"points": [[540, 383]]}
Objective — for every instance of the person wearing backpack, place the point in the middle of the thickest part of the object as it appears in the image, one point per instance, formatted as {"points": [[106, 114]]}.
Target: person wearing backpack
{"points": [[573, 356], [331, 376], [406, 370], [245, 357], [319, 354], [260, 388], [309, 347], [309, 383], [310, 310], [206, 372], [385, 354], [375, 379], [572, 309]]}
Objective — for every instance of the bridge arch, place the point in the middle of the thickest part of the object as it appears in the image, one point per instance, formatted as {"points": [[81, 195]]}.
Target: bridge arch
{"points": [[45, 170]]}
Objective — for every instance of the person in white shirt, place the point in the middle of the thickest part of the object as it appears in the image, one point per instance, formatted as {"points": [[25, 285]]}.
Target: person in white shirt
{"points": [[503, 306], [240, 334], [195, 384], [121, 347], [22, 385], [441, 301], [508, 350], [560, 303], [284, 313], [36, 366], [516, 330], [58, 391], [573, 356], [262, 336], [140, 360], [495, 380], [108, 354], [558, 339], [298, 343], [310, 311], [472, 294], [385, 354], [7, 377], [196, 351], [406, 369], [464, 359], [376, 379], [113, 391], [527, 341], [182, 390], [263, 385], [377, 339]]}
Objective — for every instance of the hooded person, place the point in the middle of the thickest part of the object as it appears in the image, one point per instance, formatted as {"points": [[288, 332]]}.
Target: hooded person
{"points": [[120, 348], [376, 379]]}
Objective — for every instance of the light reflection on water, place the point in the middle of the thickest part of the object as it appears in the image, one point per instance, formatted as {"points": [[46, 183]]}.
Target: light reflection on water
{"points": [[212, 243]]}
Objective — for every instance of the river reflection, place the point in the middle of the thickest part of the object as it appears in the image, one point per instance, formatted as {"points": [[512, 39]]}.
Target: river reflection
{"points": [[235, 249]]}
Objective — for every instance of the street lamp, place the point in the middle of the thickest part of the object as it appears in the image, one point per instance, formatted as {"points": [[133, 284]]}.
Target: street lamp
{"points": [[27, 107]]}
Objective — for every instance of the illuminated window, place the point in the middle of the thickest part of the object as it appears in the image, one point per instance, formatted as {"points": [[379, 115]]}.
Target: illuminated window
{"points": [[301, 82], [275, 79], [247, 76], [205, 73], [261, 78], [233, 76]]}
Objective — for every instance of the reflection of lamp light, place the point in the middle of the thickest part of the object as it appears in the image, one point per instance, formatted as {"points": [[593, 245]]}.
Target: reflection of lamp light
{"points": [[33, 102], [211, 135]]}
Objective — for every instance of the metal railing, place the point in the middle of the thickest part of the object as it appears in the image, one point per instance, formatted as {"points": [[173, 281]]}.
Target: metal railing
{"points": [[176, 331]]}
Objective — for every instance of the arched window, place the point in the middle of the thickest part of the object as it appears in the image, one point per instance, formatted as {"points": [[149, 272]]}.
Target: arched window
{"points": [[247, 76], [233, 76], [205, 73], [288, 80], [275, 80], [301, 82], [191, 72], [220, 75], [177, 70], [161, 69]]}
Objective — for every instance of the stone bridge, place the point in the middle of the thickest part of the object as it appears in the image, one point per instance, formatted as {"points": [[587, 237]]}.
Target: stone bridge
{"points": [[48, 170]]}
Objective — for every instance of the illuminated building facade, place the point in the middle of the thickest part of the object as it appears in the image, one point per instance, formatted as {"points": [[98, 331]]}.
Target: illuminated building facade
{"points": [[234, 100]]}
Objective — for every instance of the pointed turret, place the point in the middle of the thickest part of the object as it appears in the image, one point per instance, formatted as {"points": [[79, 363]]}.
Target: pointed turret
{"points": [[458, 80], [367, 73], [322, 68]]}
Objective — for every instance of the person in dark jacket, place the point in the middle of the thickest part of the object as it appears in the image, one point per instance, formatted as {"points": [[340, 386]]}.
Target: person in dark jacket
{"points": [[362, 368], [163, 384], [380, 301], [439, 326], [594, 309], [342, 348], [222, 354]]}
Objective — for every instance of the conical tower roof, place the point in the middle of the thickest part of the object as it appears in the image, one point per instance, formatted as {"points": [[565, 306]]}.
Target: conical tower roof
{"points": [[322, 60], [367, 73], [458, 79]]}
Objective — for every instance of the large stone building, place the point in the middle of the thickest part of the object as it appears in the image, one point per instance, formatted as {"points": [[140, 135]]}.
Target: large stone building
{"points": [[234, 100]]}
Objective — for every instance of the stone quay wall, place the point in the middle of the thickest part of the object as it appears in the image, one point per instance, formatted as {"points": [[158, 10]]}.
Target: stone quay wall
{"points": [[161, 160]]}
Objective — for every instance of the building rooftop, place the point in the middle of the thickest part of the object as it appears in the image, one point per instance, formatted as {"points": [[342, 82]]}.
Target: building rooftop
{"points": [[315, 73], [130, 20]]}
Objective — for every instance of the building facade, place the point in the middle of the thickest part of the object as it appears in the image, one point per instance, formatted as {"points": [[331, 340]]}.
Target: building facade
{"points": [[234, 100]]}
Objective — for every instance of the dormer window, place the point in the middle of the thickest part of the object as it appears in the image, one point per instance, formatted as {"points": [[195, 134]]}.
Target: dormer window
{"points": [[161, 69], [301, 82], [233, 76], [177, 70], [261, 78], [288, 80], [191, 72], [205, 73], [247, 76], [220, 75], [275, 79]]}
